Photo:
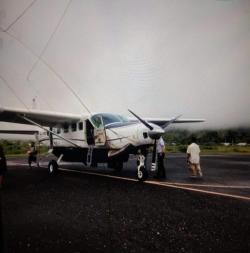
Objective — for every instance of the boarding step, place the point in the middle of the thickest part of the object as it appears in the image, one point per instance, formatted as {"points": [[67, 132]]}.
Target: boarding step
{"points": [[89, 155]]}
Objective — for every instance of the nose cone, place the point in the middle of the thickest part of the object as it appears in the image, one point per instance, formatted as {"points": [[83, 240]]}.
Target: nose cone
{"points": [[156, 133]]}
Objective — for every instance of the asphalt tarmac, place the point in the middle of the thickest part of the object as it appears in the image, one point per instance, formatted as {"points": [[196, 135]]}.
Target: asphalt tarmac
{"points": [[97, 210]]}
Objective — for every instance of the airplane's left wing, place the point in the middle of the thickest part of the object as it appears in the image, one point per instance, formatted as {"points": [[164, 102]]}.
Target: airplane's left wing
{"points": [[44, 118]]}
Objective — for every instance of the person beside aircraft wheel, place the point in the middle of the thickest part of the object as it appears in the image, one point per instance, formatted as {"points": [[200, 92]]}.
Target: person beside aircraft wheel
{"points": [[32, 154], [53, 167], [142, 174]]}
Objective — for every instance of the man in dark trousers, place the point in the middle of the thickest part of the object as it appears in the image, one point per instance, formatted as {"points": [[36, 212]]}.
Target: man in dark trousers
{"points": [[3, 166], [32, 153], [160, 148]]}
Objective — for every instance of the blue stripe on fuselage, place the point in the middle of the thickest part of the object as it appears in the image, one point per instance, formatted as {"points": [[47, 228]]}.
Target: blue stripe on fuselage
{"points": [[120, 124]]}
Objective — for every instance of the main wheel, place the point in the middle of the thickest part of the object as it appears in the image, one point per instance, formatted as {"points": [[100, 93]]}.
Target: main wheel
{"points": [[142, 174], [53, 167]]}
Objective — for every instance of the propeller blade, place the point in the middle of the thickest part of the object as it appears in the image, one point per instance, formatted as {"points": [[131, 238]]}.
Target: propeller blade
{"points": [[170, 122], [145, 123]]}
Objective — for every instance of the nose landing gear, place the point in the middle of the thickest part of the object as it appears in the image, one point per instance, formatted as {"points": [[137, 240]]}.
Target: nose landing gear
{"points": [[142, 173]]}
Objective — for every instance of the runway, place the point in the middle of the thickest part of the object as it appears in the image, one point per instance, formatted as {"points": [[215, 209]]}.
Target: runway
{"points": [[97, 210], [224, 175]]}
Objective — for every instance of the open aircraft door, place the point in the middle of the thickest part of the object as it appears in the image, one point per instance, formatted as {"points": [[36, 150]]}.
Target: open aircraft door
{"points": [[99, 130]]}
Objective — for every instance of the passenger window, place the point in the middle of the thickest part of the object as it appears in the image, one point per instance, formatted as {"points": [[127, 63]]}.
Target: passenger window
{"points": [[58, 130], [66, 128], [73, 127], [80, 126]]}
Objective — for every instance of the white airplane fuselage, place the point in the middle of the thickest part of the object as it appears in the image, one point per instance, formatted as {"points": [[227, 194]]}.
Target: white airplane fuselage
{"points": [[113, 138], [111, 141]]}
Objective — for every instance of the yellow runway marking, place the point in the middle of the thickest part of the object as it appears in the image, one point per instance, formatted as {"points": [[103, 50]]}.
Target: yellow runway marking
{"points": [[165, 184], [213, 185], [198, 190]]}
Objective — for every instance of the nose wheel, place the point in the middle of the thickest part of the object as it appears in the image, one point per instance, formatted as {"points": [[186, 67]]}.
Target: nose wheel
{"points": [[142, 173]]}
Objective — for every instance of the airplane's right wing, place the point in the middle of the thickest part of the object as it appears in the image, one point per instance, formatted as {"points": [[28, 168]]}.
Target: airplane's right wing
{"points": [[163, 121]]}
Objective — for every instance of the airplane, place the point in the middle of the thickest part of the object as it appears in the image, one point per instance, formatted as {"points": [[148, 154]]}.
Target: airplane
{"points": [[95, 138]]}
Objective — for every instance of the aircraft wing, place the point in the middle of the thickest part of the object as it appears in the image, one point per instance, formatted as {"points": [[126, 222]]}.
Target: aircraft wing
{"points": [[26, 132], [163, 121], [44, 118]]}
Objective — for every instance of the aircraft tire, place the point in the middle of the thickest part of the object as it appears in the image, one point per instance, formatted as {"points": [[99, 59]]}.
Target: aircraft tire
{"points": [[53, 167], [142, 174]]}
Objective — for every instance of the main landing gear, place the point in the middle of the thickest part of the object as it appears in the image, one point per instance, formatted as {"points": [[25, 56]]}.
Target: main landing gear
{"points": [[53, 165], [142, 173]]}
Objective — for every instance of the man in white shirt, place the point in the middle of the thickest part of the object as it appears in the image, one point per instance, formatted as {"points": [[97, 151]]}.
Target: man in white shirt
{"points": [[160, 148], [193, 158]]}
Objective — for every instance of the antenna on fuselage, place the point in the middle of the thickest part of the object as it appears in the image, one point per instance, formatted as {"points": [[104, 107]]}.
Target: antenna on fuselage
{"points": [[39, 57]]}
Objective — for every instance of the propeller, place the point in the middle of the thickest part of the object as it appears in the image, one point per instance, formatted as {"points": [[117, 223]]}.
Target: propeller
{"points": [[155, 134], [170, 122], [144, 122]]}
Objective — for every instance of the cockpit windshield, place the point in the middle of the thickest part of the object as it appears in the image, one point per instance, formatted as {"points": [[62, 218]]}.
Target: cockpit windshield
{"points": [[104, 119]]}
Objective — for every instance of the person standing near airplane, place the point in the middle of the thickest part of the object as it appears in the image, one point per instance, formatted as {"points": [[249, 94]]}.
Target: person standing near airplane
{"points": [[3, 166], [32, 153], [161, 174], [193, 158]]}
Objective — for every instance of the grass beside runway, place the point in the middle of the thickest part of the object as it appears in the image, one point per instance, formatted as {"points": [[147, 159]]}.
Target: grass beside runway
{"points": [[211, 149]]}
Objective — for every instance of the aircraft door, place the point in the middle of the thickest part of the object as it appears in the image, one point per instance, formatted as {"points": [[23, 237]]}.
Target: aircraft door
{"points": [[90, 133], [99, 130], [100, 137]]}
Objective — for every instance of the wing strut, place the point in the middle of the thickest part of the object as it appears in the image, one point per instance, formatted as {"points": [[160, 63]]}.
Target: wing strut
{"points": [[51, 132]]}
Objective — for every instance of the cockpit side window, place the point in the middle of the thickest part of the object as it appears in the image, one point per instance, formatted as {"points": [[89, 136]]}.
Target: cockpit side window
{"points": [[110, 118], [104, 119], [123, 118], [97, 121]]}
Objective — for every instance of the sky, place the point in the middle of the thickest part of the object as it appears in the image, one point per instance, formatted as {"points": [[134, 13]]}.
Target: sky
{"points": [[160, 58]]}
